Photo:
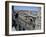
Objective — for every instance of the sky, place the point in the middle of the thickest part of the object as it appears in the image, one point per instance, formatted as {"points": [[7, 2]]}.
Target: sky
{"points": [[27, 8]]}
